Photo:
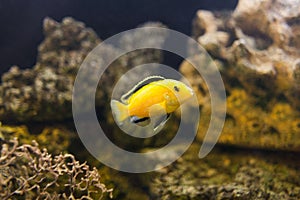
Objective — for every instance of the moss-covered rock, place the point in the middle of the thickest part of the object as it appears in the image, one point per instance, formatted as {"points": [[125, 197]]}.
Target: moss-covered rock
{"points": [[229, 174], [249, 124], [56, 139]]}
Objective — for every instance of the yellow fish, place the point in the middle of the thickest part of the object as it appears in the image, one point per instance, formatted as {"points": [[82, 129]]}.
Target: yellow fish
{"points": [[155, 96]]}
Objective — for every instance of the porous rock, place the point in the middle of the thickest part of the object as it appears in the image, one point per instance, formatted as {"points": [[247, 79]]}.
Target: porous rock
{"points": [[44, 92], [257, 49]]}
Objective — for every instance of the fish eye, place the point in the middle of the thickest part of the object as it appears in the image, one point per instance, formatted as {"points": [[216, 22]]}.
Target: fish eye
{"points": [[176, 88]]}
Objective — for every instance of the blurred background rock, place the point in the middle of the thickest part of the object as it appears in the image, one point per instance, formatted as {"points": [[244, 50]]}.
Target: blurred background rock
{"points": [[255, 45], [21, 21]]}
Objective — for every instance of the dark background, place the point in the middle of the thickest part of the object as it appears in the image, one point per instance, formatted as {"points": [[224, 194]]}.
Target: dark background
{"points": [[21, 20]]}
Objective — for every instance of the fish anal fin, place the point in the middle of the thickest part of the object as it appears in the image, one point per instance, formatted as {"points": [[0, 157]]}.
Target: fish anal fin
{"points": [[158, 116], [159, 122]]}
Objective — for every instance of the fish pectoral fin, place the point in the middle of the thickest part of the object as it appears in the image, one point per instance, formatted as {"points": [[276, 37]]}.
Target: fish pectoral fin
{"points": [[157, 110], [158, 117]]}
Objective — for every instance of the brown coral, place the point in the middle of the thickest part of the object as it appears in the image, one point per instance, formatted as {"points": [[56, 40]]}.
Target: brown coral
{"points": [[28, 172]]}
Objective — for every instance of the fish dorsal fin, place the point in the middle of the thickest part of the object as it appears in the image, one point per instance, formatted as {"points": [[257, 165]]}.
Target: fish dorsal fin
{"points": [[138, 86]]}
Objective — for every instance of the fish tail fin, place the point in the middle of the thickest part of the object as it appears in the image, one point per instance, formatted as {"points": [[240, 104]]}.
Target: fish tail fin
{"points": [[120, 111]]}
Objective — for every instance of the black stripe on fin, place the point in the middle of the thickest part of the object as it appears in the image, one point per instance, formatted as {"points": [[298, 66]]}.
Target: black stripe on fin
{"points": [[135, 119], [141, 84]]}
